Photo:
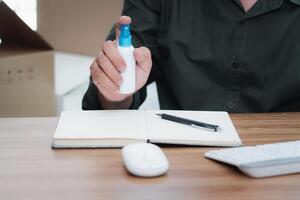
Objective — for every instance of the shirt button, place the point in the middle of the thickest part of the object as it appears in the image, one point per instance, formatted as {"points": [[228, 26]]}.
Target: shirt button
{"points": [[235, 65], [230, 105]]}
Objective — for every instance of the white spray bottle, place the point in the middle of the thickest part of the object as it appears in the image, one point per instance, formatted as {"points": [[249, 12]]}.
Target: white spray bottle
{"points": [[126, 50]]}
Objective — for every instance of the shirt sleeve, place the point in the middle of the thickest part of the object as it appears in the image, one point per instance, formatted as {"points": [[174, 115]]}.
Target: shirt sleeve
{"points": [[145, 16]]}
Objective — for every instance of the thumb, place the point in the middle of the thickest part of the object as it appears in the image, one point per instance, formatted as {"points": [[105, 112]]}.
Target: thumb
{"points": [[122, 20]]}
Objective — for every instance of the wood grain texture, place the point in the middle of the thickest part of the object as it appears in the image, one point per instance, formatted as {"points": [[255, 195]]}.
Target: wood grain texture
{"points": [[30, 169]]}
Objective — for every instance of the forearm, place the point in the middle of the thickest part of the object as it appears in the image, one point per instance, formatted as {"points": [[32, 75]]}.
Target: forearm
{"points": [[106, 104]]}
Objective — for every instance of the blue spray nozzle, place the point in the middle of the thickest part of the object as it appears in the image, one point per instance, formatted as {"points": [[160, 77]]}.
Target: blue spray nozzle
{"points": [[125, 36]]}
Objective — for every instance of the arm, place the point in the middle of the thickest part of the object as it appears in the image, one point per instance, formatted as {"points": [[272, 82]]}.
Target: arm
{"points": [[145, 14]]}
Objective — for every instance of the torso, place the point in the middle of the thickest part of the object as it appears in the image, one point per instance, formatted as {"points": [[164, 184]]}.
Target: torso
{"points": [[217, 57]]}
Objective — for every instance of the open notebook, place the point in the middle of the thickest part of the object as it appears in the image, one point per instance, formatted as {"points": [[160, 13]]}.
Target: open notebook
{"points": [[116, 128]]}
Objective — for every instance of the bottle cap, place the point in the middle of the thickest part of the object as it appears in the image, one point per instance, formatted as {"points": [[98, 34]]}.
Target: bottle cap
{"points": [[125, 36]]}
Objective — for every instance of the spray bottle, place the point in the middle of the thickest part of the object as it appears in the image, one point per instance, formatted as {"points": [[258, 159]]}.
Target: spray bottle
{"points": [[126, 50]]}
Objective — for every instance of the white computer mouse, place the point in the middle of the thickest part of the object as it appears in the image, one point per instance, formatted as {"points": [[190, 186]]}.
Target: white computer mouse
{"points": [[144, 159]]}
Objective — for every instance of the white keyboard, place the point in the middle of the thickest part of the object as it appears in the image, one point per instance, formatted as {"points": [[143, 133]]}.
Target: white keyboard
{"points": [[262, 160]]}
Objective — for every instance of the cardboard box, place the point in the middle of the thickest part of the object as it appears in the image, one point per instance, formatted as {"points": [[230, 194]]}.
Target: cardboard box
{"points": [[26, 69], [33, 77], [77, 26]]}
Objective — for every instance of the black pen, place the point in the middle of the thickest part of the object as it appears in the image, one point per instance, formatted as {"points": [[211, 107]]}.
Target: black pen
{"points": [[189, 122]]}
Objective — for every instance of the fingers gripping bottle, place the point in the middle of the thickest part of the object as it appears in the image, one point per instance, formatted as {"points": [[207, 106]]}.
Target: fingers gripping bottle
{"points": [[126, 50]]}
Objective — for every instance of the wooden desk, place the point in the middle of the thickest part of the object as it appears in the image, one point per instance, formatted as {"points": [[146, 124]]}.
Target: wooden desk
{"points": [[30, 169]]}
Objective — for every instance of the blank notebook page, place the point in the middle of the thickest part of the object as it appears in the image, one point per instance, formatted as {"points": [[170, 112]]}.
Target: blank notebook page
{"points": [[164, 131], [112, 124]]}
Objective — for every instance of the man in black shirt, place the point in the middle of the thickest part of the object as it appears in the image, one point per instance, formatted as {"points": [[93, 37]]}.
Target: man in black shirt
{"points": [[233, 55]]}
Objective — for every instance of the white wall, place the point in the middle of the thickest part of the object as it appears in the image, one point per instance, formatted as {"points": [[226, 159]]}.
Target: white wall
{"points": [[26, 10]]}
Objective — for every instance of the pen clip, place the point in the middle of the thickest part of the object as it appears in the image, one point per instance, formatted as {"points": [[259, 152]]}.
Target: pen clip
{"points": [[212, 129]]}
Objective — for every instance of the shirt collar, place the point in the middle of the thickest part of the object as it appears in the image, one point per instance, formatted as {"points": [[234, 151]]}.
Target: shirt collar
{"points": [[261, 7]]}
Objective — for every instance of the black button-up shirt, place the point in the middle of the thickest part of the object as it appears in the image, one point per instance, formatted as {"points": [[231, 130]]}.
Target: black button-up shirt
{"points": [[211, 55]]}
